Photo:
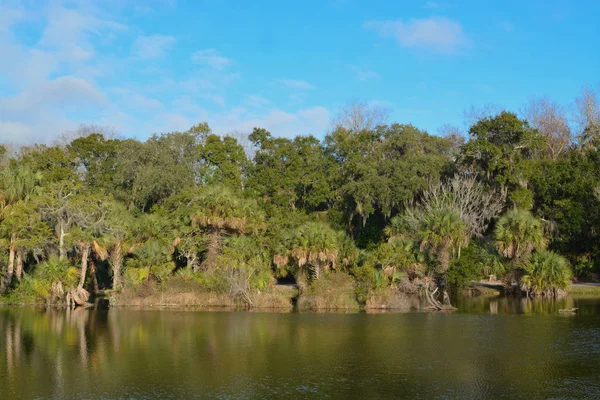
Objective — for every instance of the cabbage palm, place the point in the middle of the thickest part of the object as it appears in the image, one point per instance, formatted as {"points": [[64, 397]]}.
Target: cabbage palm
{"points": [[518, 233], [245, 265], [220, 211], [26, 232], [442, 233], [546, 272], [18, 182], [154, 256], [395, 257], [315, 248]]}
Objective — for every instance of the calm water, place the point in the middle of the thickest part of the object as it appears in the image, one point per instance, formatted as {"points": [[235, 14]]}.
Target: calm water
{"points": [[501, 349]]}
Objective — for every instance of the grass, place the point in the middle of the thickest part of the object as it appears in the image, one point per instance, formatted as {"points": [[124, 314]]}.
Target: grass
{"points": [[392, 299], [181, 292], [333, 291], [584, 290]]}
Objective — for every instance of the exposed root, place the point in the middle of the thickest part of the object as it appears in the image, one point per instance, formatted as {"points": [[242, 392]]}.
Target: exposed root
{"points": [[78, 297], [434, 304]]}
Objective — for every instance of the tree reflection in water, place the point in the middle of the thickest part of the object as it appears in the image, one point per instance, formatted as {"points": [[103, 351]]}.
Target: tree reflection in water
{"points": [[155, 354]]}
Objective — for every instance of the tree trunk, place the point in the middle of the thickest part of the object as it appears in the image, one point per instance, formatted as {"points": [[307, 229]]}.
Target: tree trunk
{"points": [[10, 268], [85, 253], [61, 241], [19, 265], [213, 250], [94, 277], [116, 262]]}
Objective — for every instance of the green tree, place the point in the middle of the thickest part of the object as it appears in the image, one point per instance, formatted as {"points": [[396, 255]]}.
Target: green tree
{"points": [[547, 273], [221, 211], [312, 248], [383, 169], [500, 154], [96, 159], [518, 233], [291, 173]]}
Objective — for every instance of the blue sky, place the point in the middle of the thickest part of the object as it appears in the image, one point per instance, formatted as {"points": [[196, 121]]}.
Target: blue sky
{"points": [[158, 66]]}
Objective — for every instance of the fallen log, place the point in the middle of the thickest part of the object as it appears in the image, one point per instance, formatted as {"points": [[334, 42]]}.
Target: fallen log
{"points": [[567, 310]]}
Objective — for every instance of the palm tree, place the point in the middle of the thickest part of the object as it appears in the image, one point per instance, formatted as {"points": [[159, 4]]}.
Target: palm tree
{"points": [[442, 233], [395, 257], [218, 210], [18, 183], [546, 273], [518, 233], [315, 248], [245, 266], [22, 224], [154, 256]]}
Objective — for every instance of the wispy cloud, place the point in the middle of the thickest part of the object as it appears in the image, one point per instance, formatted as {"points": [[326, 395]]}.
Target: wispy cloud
{"points": [[364, 75], [296, 84], [436, 34], [211, 58], [256, 101], [151, 47], [507, 26], [305, 121]]}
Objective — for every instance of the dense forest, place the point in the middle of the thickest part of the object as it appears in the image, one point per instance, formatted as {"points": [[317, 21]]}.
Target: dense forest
{"points": [[374, 209]]}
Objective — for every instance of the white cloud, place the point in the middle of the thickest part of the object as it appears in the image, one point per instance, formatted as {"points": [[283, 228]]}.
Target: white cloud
{"points": [[40, 112], [256, 101], [211, 58], [68, 32], [364, 75], [53, 83], [295, 84], [151, 47], [307, 121], [437, 34]]}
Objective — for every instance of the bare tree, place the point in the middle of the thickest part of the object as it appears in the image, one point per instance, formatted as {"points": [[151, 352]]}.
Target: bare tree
{"points": [[244, 141], [84, 130], [587, 117], [357, 116], [550, 119], [454, 136], [468, 198], [474, 114]]}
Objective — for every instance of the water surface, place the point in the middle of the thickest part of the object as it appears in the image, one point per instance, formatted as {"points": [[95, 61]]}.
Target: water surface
{"points": [[500, 351]]}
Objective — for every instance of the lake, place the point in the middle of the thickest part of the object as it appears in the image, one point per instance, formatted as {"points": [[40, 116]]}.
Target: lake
{"points": [[498, 348]]}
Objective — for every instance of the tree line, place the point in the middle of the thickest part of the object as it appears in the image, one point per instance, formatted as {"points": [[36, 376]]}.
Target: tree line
{"points": [[375, 206]]}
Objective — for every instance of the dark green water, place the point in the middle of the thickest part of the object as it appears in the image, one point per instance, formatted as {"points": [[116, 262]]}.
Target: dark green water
{"points": [[506, 351]]}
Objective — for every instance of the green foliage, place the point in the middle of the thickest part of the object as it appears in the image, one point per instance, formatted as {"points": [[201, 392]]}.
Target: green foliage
{"points": [[311, 249], [382, 169], [38, 287], [151, 259], [518, 233], [500, 154], [389, 204], [137, 276], [546, 272], [245, 265], [335, 290], [442, 233], [291, 173], [563, 194], [475, 262]]}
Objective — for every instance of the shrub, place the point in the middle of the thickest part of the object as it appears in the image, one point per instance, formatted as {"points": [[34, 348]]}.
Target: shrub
{"points": [[335, 290], [546, 273]]}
